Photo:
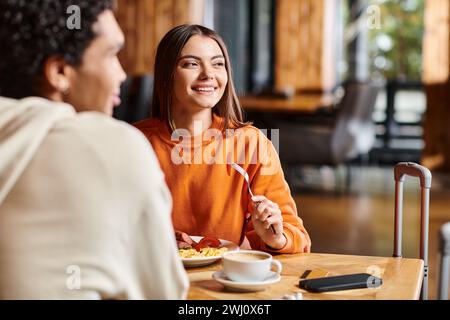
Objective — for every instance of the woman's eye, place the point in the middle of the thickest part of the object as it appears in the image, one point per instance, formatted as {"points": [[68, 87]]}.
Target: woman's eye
{"points": [[190, 64], [219, 64]]}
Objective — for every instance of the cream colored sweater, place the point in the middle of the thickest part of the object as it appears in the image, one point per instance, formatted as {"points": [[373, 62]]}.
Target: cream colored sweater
{"points": [[84, 209]]}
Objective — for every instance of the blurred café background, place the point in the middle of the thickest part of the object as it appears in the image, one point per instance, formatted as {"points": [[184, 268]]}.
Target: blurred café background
{"points": [[348, 87]]}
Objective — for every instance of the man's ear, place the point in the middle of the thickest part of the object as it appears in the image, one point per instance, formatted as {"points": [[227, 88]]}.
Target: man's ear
{"points": [[56, 72]]}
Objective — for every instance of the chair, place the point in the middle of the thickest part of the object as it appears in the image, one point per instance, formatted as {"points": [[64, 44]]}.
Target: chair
{"points": [[445, 261], [332, 139], [136, 95]]}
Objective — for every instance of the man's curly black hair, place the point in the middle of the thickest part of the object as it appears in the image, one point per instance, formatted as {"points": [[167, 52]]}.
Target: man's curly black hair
{"points": [[31, 31]]}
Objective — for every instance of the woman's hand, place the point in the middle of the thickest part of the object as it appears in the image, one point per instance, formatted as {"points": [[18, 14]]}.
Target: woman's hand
{"points": [[266, 213]]}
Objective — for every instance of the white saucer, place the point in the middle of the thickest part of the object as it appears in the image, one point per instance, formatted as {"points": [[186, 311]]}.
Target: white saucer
{"points": [[246, 286]]}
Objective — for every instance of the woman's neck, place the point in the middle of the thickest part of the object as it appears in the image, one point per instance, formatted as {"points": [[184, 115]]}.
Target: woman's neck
{"points": [[183, 119]]}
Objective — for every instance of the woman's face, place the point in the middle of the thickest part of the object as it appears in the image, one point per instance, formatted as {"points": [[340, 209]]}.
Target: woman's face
{"points": [[95, 84], [200, 75]]}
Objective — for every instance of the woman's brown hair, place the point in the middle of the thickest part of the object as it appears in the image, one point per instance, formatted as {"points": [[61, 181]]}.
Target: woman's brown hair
{"points": [[167, 55]]}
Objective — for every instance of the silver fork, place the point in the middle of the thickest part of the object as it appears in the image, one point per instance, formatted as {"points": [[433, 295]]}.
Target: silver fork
{"points": [[244, 173]]}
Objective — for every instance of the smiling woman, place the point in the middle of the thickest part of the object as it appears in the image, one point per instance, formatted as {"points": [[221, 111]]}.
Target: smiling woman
{"points": [[199, 81], [177, 47], [194, 96]]}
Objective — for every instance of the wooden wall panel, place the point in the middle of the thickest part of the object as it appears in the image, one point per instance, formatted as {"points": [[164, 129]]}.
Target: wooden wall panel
{"points": [[125, 16], [163, 19], [146, 46], [304, 55], [287, 30], [180, 11], [145, 22], [436, 70], [316, 41], [303, 38], [436, 42]]}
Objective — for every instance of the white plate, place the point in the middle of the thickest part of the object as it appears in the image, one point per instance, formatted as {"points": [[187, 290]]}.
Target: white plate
{"points": [[204, 261], [246, 286]]}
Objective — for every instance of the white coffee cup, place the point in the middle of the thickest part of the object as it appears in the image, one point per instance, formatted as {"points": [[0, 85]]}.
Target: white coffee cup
{"points": [[249, 265]]}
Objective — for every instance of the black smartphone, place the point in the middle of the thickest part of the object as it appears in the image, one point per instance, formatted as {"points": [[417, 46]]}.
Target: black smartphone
{"points": [[344, 282]]}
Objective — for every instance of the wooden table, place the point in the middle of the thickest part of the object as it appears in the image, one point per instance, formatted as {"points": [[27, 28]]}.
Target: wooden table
{"points": [[305, 102], [402, 278]]}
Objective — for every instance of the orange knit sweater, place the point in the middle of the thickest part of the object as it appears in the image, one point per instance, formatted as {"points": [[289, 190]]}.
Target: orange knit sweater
{"points": [[209, 197]]}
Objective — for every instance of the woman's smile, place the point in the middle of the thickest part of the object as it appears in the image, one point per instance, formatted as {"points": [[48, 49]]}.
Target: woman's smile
{"points": [[204, 89]]}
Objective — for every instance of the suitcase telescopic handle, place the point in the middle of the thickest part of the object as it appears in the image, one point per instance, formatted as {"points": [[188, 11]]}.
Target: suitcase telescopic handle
{"points": [[401, 170]]}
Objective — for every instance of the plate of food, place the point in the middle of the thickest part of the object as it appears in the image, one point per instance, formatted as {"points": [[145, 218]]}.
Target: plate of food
{"points": [[196, 251]]}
